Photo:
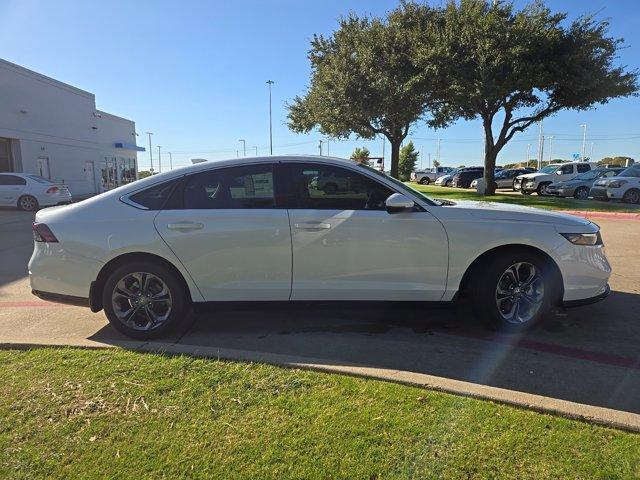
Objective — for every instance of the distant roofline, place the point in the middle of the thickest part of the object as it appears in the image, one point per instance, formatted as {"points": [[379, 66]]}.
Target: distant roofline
{"points": [[117, 117], [43, 78]]}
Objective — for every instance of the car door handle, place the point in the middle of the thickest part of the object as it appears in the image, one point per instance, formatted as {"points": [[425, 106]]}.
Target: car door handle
{"points": [[185, 226], [312, 226]]}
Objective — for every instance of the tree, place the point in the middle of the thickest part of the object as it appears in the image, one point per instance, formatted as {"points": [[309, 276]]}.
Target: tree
{"points": [[513, 68], [144, 174], [617, 161], [436, 164], [361, 155], [408, 160], [364, 80]]}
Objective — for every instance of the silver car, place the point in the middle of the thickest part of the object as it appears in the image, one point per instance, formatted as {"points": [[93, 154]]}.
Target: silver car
{"points": [[578, 187]]}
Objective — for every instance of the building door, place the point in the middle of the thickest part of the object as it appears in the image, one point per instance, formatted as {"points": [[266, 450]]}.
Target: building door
{"points": [[43, 167], [89, 174]]}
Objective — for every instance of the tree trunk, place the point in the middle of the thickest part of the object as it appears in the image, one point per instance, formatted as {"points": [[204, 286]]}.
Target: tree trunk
{"points": [[395, 157], [490, 155]]}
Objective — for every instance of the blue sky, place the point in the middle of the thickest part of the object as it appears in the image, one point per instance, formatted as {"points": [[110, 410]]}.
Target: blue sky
{"points": [[194, 74]]}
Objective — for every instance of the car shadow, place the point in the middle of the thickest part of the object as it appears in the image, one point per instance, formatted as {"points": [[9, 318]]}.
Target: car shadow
{"points": [[588, 354]]}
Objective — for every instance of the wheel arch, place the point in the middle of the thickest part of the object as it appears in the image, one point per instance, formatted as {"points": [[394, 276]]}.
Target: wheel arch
{"points": [[485, 256], [95, 291]]}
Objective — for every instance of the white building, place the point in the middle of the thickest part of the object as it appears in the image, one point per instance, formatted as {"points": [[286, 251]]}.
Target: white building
{"points": [[54, 130]]}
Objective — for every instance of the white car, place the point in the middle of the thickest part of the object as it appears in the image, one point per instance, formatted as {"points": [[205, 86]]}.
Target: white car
{"points": [[625, 186], [30, 192], [258, 230], [539, 181]]}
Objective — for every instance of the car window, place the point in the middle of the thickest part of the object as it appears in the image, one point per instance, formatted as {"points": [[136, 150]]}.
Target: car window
{"points": [[12, 180], [610, 173], [39, 179], [154, 198], [566, 169], [583, 167], [245, 187], [328, 187], [590, 175], [549, 169]]}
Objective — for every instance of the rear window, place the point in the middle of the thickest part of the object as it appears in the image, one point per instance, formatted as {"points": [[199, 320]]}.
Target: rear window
{"points": [[39, 179], [154, 198]]}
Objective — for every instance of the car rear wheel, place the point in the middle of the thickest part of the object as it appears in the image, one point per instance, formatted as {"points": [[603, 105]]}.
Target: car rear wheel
{"points": [[448, 183], [581, 193], [28, 203], [144, 300], [631, 196], [513, 291], [424, 181]]}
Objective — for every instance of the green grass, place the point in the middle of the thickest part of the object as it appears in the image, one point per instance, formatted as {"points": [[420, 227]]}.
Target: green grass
{"points": [[78, 413], [550, 203]]}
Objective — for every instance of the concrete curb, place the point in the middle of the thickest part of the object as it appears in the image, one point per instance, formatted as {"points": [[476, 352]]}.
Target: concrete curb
{"points": [[609, 215], [576, 411]]}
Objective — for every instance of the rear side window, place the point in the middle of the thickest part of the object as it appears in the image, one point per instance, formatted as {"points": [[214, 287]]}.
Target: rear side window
{"points": [[583, 167], [12, 180], [249, 187], [154, 198]]}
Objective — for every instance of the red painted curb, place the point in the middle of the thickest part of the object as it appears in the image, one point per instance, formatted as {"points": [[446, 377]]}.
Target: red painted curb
{"points": [[618, 215]]}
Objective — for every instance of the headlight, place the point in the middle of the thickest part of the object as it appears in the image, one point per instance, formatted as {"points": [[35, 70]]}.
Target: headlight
{"points": [[618, 183], [583, 238]]}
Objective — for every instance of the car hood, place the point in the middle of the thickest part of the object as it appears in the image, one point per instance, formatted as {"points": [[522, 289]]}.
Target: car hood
{"points": [[534, 175], [504, 211]]}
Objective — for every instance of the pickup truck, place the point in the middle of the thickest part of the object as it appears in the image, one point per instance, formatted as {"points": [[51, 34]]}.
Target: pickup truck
{"points": [[425, 177], [539, 181]]}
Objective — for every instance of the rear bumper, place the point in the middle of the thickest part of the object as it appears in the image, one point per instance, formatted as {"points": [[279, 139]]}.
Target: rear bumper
{"points": [[588, 301], [59, 298]]}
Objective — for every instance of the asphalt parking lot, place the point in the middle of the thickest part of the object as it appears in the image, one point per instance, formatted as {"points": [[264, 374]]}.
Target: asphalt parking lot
{"points": [[589, 354]]}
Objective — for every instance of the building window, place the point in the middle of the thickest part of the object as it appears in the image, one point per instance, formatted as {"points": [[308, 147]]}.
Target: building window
{"points": [[5, 155]]}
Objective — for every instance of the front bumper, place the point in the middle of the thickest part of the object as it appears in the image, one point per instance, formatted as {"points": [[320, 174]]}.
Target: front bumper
{"points": [[588, 301], [560, 191], [598, 193]]}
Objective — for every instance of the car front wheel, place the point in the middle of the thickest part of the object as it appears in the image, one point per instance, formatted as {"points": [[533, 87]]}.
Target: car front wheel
{"points": [[144, 300], [513, 291], [581, 193], [631, 196], [542, 189], [424, 181]]}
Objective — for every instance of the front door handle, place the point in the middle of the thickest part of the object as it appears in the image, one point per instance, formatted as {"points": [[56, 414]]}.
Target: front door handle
{"points": [[185, 226], [312, 226]]}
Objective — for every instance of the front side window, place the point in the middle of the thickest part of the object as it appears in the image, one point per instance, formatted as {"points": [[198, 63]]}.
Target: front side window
{"points": [[328, 187], [243, 187], [566, 169]]}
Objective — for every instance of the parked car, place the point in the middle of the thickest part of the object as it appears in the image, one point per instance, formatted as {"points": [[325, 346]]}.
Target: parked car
{"points": [[204, 233], [424, 177], [30, 192], [579, 186], [539, 181], [464, 177], [446, 180], [625, 186], [505, 178]]}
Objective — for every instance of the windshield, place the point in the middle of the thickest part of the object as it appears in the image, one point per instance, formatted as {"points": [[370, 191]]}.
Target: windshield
{"points": [[633, 171], [590, 175], [400, 185], [549, 169], [39, 179]]}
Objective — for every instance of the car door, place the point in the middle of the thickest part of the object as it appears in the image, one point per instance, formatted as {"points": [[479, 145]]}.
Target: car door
{"points": [[11, 187], [565, 172], [226, 230], [346, 246]]}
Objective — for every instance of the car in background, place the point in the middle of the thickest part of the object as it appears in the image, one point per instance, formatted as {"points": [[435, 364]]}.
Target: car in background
{"points": [[578, 187], [539, 181], [625, 186], [464, 177], [30, 192], [445, 180], [425, 177], [505, 178], [149, 250]]}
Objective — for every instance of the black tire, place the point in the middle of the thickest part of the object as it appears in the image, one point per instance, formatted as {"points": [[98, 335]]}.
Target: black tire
{"points": [[179, 302], [28, 203], [425, 181], [542, 188], [581, 193], [448, 183], [330, 188], [631, 196], [513, 186], [525, 193], [484, 289]]}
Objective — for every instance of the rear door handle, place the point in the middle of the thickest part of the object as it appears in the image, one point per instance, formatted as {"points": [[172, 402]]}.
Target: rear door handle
{"points": [[312, 226], [185, 226]]}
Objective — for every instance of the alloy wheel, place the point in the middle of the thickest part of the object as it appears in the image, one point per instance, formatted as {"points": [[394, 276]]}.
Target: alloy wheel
{"points": [[520, 293], [141, 301], [632, 196], [582, 194], [28, 203]]}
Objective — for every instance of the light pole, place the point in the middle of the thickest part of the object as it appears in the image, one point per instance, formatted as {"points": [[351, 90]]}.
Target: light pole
{"points": [[159, 159], [591, 153], [270, 82], [150, 152], [528, 155], [320, 147], [584, 140], [256, 150], [244, 147], [170, 162], [540, 146], [550, 148]]}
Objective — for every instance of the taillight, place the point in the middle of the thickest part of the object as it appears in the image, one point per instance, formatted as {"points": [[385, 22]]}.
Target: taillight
{"points": [[42, 233], [53, 189]]}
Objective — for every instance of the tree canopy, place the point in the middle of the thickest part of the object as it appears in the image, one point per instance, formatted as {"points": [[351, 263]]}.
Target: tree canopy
{"points": [[408, 160], [361, 155]]}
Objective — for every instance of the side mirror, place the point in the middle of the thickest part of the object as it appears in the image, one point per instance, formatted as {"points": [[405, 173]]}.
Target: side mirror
{"points": [[559, 172], [398, 203]]}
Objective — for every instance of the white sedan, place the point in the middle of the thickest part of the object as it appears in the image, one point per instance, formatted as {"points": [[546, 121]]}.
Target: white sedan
{"points": [[262, 230], [29, 192]]}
